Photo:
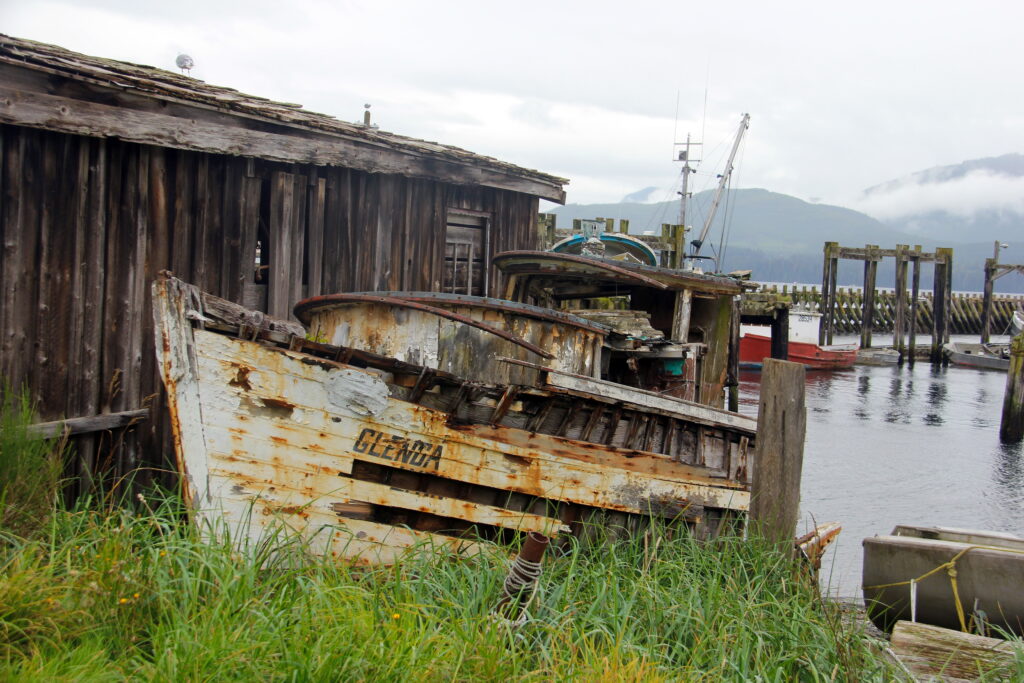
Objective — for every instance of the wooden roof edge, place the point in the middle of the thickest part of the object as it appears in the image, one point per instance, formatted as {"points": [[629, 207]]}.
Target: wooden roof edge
{"points": [[160, 84]]}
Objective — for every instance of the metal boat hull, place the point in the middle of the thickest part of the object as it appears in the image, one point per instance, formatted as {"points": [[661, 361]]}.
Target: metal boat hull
{"points": [[977, 355], [754, 348], [988, 571]]}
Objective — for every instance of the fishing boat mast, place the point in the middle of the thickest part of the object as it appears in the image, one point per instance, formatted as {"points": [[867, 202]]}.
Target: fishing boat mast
{"points": [[684, 156], [723, 180]]}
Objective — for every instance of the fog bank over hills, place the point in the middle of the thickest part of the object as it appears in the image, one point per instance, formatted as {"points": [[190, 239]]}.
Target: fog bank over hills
{"points": [[966, 206], [973, 200]]}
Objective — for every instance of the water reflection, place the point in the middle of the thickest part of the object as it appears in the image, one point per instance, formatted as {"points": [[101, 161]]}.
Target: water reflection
{"points": [[936, 396], [864, 391], [1008, 477], [888, 446], [901, 393]]}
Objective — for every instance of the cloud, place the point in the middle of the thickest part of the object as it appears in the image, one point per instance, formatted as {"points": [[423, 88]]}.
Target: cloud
{"points": [[591, 90], [978, 191]]}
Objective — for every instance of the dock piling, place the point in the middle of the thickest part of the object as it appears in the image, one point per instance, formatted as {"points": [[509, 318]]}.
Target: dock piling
{"points": [[781, 427], [1011, 427]]}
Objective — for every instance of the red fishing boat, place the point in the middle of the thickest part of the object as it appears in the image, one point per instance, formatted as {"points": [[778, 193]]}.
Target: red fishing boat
{"points": [[756, 345], [754, 348]]}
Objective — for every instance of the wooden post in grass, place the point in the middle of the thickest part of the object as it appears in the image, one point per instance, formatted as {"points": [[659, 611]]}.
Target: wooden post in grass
{"points": [[1011, 428], [781, 426]]}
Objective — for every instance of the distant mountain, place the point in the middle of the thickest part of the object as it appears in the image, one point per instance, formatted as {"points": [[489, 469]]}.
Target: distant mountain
{"points": [[980, 199], [758, 219], [645, 196], [1011, 165], [781, 237]]}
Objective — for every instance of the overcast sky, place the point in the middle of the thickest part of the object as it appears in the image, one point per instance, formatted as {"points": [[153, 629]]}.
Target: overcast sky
{"points": [[841, 96]]}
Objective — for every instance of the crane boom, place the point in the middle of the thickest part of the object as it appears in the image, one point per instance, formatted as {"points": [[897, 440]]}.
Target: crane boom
{"points": [[697, 243]]}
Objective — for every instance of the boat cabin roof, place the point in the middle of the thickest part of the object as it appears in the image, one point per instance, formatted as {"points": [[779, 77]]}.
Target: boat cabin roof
{"points": [[578, 277]]}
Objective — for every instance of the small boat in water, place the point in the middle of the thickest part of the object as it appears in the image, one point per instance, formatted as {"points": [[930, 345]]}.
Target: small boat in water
{"points": [[756, 345], [954, 578], [879, 357], [986, 356]]}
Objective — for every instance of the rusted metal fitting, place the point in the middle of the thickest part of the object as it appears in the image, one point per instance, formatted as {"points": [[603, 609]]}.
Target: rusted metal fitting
{"points": [[521, 582]]}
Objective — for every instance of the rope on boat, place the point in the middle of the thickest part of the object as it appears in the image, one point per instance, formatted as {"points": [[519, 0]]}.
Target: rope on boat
{"points": [[950, 567], [522, 578]]}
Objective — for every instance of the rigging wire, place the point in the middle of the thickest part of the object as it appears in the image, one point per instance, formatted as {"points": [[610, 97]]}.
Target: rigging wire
{"points": [[730, 203], [704, 120], [675, 123]]}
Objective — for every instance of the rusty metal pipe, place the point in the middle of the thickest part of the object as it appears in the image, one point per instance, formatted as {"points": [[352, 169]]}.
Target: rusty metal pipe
{"points": [[522, 578]]}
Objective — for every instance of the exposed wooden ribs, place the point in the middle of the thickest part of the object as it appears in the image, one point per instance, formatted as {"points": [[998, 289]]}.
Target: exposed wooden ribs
{"points": [[423, 383], [595, 416]]}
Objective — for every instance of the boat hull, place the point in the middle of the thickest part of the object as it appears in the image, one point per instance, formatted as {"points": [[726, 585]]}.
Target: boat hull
{"points": [[989, 571], [977, 356], [365, 462], [754, 348]]}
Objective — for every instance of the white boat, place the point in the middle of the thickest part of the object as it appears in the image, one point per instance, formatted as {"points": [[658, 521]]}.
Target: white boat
{"points": [[954, 578]]}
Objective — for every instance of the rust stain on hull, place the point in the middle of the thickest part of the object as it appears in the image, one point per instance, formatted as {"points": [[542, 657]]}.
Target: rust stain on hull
{"points": [[271, 437]]}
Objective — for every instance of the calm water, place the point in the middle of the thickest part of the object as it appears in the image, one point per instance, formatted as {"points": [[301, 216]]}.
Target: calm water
{"points": [[889, 446]]}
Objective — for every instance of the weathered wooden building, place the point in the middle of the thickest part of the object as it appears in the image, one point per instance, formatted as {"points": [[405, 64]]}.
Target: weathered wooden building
{"points": [[112, 172]]}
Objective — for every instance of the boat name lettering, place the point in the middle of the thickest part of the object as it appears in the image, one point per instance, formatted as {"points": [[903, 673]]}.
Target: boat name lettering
{"points": [[398, 448]]}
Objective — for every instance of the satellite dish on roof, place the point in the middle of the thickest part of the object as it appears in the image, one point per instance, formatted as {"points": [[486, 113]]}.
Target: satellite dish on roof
{"points": [[185, 63]]}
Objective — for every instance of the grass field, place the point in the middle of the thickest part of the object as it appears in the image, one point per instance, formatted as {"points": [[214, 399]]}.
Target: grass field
{"points": [[129, 594], [112, 590]]}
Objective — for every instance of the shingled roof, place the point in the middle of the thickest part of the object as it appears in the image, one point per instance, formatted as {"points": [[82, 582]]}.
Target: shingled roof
{"points": [[75, 93]]}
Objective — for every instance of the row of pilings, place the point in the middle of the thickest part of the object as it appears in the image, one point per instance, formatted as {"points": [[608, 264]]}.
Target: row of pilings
{"points": [[965, 309]]}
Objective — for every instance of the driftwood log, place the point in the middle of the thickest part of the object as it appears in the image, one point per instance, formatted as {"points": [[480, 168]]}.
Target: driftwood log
{"points": [[932, 652]]}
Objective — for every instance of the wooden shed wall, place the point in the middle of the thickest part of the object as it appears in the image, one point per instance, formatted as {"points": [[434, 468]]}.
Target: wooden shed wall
{"points": [[86, 224]]}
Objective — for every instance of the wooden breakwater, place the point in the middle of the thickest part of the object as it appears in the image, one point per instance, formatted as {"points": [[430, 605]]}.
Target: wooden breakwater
{"points": [[965, 309]]}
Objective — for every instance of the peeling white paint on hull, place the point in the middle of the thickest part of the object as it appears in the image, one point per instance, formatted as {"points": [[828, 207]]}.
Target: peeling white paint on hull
{"points": [[266, 436]]}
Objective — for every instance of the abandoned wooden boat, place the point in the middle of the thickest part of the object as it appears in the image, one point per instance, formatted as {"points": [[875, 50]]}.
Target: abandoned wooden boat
{"points": [[984, 356], [953, 578], [395, 422]]}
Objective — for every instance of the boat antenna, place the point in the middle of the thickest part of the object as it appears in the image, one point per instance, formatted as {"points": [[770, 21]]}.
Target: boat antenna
{"points": [[685, 156], [723, 180]]}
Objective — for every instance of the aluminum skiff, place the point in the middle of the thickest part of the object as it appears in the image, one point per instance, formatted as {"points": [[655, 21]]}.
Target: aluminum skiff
{"points": [[907, 576]]}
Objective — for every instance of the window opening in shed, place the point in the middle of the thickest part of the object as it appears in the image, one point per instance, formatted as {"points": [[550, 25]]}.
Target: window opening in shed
{"points": [[466, 254]]}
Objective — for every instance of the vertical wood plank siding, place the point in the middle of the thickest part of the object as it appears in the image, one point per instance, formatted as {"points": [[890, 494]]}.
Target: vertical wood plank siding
{"points": [[86, 223]]}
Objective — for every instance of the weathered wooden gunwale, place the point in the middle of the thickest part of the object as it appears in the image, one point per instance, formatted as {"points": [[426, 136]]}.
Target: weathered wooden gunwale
{"points": [[272, 427]]}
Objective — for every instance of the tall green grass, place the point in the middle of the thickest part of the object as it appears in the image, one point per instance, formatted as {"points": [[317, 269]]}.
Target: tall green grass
{"points": [[137, 594], [30, 468], [109, 591]]}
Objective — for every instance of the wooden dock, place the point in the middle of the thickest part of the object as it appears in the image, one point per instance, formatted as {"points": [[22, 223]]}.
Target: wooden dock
{"points": [[965, 310]]}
